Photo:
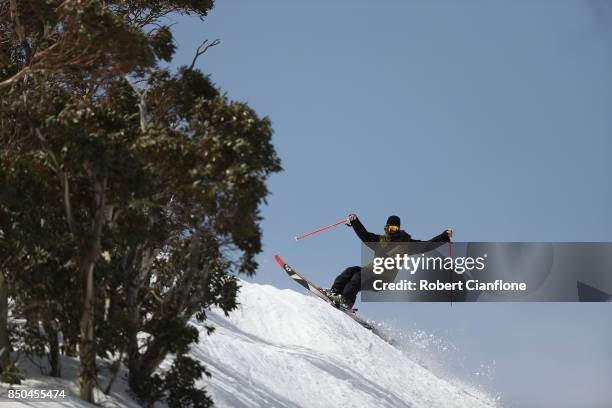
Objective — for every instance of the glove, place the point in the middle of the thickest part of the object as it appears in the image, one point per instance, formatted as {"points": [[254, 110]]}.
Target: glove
{"points": [[450, 233]]}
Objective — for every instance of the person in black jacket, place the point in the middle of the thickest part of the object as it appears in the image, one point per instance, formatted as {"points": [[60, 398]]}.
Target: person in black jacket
{"points": [[346, 286]]}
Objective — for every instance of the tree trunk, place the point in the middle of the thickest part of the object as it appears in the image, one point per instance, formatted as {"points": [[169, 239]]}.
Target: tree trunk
{"points": [[136, 265], [135, 378], [87, 350], [5, 347], [70, 349], [54, 349], [114, 370], [87, 354]]}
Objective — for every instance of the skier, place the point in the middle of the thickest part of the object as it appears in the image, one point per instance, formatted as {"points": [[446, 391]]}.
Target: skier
{"points": [[346, 286]]}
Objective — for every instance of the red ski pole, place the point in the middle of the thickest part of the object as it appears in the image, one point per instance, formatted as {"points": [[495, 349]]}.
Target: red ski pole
{"points": [[297, 238]]}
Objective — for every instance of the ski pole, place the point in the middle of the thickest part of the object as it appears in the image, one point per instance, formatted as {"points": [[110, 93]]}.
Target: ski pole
{"points": [[297, 238]]}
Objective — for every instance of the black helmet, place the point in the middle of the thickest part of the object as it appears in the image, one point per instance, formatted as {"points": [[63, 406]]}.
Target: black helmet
{"points": [[393, 220]]}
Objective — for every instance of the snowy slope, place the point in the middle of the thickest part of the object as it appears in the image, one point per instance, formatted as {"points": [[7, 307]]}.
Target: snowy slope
{"points": [[283, 348], [119, 397]]}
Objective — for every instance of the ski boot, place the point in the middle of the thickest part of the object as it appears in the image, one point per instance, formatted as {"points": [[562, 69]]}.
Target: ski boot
{"points": [[330, 293], [341, 302]]}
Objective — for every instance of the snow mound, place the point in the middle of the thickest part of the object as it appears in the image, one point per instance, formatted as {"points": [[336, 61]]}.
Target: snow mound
{"points": [[285, 349]]}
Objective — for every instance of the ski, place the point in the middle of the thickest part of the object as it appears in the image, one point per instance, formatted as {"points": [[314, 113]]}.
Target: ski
{"points": [[315, 290]]}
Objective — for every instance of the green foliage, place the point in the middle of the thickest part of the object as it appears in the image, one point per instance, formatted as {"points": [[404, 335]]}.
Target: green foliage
{"points": [[12, 375], [151, 178], [180, 385], [177, 387], [162, 43]]}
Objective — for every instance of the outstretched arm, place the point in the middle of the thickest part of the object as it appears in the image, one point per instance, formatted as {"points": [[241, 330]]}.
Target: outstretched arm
{"points": [[363, 234], [443, 237], [431, 244]]}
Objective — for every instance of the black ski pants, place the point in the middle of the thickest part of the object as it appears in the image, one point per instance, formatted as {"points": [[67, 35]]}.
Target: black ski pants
{"points": [[348, 283]]}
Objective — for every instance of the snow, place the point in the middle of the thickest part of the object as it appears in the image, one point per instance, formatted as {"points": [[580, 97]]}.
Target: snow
{"points": [[120, 396], [281, 348], [284, 348]]}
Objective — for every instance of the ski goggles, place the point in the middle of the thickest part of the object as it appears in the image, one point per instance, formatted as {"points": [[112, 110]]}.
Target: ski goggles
{"points": [[392, 228]]}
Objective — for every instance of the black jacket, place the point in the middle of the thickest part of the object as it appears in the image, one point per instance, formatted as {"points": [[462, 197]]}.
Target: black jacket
{"points": [[391, 244], [401, 236]]}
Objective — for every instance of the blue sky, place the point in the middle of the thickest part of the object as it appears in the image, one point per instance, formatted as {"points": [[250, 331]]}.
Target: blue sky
{"points": [[490, 117]]}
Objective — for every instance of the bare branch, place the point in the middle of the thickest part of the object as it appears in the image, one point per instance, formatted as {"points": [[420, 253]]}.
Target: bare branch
{"points": [[68, 206], [157, 297], [202, 49], [63, 178], [55, 166], [10, 81], [27, 69], [142, 104]]}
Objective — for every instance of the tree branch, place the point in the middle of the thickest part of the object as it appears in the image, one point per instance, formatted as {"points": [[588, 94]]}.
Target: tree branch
{"points": [[142, 104], [27, 69], [55, 166], [63, 178], [17, 21], [202, 49], [68, 207], [10, 81]]}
